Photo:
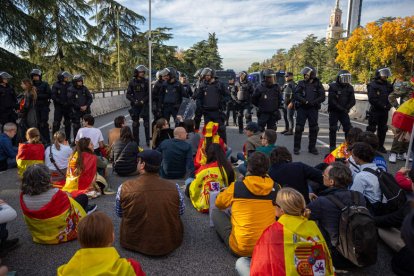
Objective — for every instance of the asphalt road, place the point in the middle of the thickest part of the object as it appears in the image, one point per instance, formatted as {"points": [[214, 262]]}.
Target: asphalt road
{"points": [[201, 253]]}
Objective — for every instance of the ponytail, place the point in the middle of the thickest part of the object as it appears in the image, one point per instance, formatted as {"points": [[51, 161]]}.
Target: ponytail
{"points": [[58, 138]]}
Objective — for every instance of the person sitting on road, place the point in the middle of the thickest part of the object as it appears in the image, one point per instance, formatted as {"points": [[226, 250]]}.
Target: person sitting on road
{"points": [[50, 214], [268, 140], [213, 176], [337, 178], [343, 151], [210, 136], [115, 133], [124, 153], [193, 138], [95, 134], [57, 157], [288, 245], [7, 151], [7, 214], [251, 207], [401, 262], [177, 156], [81, 172], [404, 178], [366, 182], [290, 174], [253, 142], [162, 131], [97, 255], [30, 153], [150, 208]]}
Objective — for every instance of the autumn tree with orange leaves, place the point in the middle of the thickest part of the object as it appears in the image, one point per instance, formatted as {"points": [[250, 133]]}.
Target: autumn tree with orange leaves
{"points": [[389, 43]]}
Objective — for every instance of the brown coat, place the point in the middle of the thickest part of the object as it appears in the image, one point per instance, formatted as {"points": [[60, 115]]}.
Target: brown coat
{"points": [[151, 223]]}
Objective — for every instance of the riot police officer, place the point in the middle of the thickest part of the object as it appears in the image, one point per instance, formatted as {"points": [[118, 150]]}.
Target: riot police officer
{"points": [[378, 91], [341, 99], [80, 100], [138, 95], [42, 104], [156, 90], [211, 100], [8, 100], [196, 86], [171, 95], [308, 95], [288, 106], [61, 103], [187, 92], [231, 101], [244, 93], [267, 98]]}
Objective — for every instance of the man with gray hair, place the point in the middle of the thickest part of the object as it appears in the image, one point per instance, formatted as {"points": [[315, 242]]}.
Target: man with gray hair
{"points": [[7, 151]]}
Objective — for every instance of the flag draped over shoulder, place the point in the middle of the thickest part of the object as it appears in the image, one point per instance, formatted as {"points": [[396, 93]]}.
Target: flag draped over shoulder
{"points": [[210, 130], [55, 222], [340, 152], [403, 117], [80, 182], [29, 154]]}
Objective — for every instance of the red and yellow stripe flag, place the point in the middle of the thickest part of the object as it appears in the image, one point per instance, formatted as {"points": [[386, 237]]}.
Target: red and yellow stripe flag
{"points": [[79, 182], [29, 154], [340, 152], [403, 117]]}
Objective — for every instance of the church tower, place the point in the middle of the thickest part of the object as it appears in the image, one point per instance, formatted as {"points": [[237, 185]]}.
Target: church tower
{"points": [[335, 28]]}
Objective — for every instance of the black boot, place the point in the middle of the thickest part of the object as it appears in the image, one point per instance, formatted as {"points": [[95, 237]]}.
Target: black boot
{"points": [[285, 131], [290, 132]]}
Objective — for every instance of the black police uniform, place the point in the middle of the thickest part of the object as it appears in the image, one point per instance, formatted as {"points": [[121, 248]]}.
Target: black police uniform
{"points": [[244, 93], [267, 98], [171, 98], [198, 112], [231, 100], [8, 105], [341, 99], [288, 89], [42, 108], [378, 92], [63, 108], [156, 106], [211, 100], [137, 94], [308, 98], [79, 96]]}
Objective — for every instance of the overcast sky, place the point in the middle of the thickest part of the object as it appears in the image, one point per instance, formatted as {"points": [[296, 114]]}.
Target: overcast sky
{"points": [[252, 30]]}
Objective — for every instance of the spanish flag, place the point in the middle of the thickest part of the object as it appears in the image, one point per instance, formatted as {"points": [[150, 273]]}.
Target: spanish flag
{"points": [[29, 154], [338, 153], [80, 182], [403, 117], [292, 246], [209, 130], [100, 261], [55, 222]]}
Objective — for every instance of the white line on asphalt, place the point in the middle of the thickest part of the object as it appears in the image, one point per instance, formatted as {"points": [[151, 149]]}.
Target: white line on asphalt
{"points": [[356, 122], [110, 123], [325, 145]]}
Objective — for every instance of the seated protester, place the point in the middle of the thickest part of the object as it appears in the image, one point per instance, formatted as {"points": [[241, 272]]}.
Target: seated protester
{"points": [[115, 133], [268, 140], [81, 173], [161, 132], [7, 214], [286, 246], [50, 214], [124, 153], [30, 153], [177, 157], [150, 208], [95, 134], [57, 157], [343, 152], [365, 182], [213, 176], [97, 255], [401, 262], [337, 177], [252, 131], [7, 151], [193, 138], [290, 174], [251, 205], [404, 178], [210, 136]]}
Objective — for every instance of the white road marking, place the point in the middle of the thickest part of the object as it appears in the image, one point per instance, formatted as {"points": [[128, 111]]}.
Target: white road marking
{"points": [[110, 123]]}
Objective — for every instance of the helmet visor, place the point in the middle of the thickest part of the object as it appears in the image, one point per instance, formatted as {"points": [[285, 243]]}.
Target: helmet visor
{"points": [[385, 72], [36, 72], [66, 75], [141, 68], [306, 71], [5, 75], [345, 78], [164, 72], [77, 78]]}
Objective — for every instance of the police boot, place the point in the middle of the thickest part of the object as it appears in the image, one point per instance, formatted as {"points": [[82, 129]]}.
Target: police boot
{"points": [[332, 141], [289, 132], [297, 139], [313, 135], [284, 131]]}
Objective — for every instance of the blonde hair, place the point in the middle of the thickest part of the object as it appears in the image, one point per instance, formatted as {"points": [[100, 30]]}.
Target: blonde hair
{"points": [[157, 129], [33, 135], [292, 202], [58, 138]]}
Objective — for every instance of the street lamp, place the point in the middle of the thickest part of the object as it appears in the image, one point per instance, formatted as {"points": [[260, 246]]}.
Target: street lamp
{"points": [[150, 72]]}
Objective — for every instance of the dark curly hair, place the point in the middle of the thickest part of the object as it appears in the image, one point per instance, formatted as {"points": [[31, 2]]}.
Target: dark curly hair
{"points": [[36, 180], [258, 164]]}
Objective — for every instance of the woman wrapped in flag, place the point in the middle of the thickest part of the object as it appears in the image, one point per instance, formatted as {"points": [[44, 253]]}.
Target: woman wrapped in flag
{"points": [[50, 214], [30, 153], [342, 152]]}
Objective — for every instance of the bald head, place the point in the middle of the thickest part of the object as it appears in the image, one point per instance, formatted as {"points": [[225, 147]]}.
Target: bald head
{"points": [[180, 133]]}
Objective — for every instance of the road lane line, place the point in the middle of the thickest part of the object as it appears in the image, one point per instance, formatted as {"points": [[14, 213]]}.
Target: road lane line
{"points": [[110, 123]]}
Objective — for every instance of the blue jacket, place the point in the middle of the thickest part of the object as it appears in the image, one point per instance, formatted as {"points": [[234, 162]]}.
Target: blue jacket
{"points": [[177, 159], [6, 148]]}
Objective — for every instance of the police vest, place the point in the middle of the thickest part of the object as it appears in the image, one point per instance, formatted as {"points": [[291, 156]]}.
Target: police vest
{"points": [[243, 94], [172, 93], [211, 97]]}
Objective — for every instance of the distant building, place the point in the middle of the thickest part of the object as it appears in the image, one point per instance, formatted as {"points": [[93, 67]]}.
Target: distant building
{"points": [[335, 28], [354, 16]]}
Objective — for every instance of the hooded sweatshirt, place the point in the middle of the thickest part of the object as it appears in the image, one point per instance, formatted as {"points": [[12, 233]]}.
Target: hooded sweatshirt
{"points": [[250, 215]]}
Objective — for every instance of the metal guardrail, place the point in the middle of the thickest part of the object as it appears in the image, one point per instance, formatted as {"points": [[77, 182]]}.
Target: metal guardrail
{"points": [[108, 92]]}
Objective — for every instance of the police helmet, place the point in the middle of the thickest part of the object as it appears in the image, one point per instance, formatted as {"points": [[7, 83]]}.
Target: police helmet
{"points": [[77, 78], [198, 73], [140, 68], [309, 70], [5, 75], [383, 72], [35, 72], [268, 73], [208, 71], [158, 75], [64, 74], [344, 76], [243, 74]]}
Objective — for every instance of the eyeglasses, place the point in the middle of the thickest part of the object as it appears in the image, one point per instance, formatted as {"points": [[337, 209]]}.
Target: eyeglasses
{"points": [[277, 205]]}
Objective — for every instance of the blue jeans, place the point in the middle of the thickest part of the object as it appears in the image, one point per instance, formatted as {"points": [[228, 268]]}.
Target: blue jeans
{"points": [[243, 266]]}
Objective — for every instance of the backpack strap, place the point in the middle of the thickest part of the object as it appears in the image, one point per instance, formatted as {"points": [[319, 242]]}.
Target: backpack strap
{"points": [[376, 173], [335, 200], [355, 198]]}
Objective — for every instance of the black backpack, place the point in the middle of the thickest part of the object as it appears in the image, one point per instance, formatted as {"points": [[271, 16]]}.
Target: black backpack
{"points": [[357, 232], [394, 195]]}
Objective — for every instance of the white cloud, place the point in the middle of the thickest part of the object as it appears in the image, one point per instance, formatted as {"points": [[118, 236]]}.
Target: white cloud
{"points": [[251, 30]]}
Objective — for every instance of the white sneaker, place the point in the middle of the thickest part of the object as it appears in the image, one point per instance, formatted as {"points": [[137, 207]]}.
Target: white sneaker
{"points": [[405, 157], [392, 158]]}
